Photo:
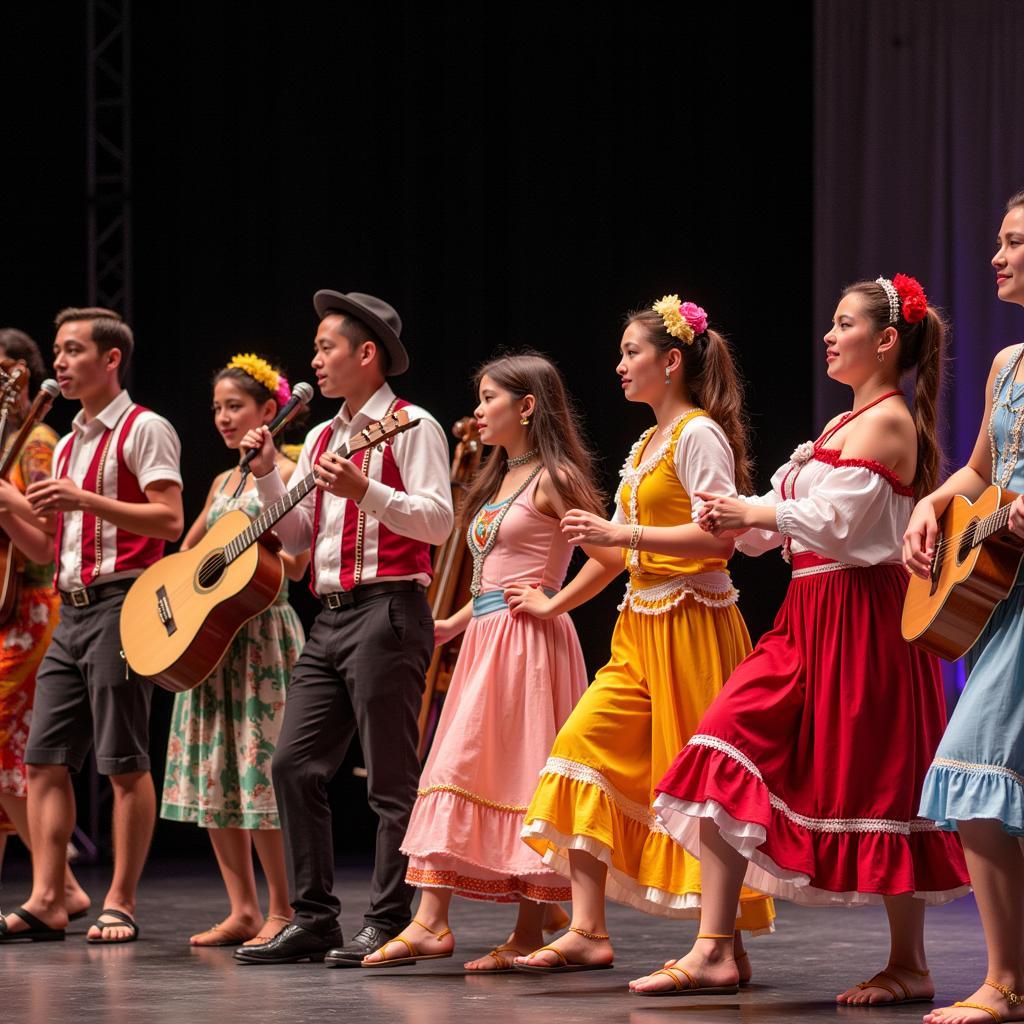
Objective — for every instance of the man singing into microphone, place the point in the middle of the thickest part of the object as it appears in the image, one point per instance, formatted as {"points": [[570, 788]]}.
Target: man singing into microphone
{"points": [[368, 525]]}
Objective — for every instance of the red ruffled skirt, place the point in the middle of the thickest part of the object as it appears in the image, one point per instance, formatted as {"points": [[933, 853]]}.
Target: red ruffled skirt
{"points": [[812, 758]]}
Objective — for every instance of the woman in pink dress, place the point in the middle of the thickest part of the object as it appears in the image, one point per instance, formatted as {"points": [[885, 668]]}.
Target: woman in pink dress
{"points": [[516, 679], [804, 776]]}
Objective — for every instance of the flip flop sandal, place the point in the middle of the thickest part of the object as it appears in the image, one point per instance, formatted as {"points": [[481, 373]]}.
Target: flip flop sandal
{"points": [[503, 966], [230, 938], [120, 918], [691, 989], [262, 940], [415, 956], [897, 999], [37, 931], [563, 968]]}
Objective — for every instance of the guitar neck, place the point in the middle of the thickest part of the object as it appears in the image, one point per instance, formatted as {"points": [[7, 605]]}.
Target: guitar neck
{"points": [[272, 513], [992, 523]]}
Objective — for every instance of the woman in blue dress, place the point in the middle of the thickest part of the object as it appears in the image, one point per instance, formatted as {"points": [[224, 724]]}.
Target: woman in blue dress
{"points": [[976, 782]]}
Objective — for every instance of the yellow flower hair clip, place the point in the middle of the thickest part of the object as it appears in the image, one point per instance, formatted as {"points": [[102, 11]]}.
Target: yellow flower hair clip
{"points": [[259, 369], [682, 320]]}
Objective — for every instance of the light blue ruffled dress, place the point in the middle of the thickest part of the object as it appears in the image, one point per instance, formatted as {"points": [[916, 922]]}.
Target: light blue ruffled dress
{"points": [[978, 770]]}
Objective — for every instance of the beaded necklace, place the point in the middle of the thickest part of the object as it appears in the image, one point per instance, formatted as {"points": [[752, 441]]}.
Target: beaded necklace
{"points": [[1008, 455], [482, 534]]}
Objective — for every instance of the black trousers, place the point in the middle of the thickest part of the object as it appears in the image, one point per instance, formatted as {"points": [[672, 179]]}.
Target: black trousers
{"points": [[362, 669]]}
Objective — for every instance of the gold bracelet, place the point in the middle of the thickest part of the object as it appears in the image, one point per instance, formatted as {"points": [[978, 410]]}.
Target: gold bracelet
{"points": [[593, 936]]}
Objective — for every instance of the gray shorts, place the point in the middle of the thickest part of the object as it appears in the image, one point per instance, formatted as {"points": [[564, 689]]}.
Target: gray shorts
{"points": [[86, 695]]}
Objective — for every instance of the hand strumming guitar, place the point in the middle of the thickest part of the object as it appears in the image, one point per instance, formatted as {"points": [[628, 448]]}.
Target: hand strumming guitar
{"points": [[340, 477]]}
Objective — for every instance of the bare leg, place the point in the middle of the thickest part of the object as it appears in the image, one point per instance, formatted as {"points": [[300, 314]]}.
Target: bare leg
{"points": [[711, 962], [51, 819], [16, 808], [906, 962], [996, 867], [134, 818], [233, 848], [430, 919], [555, 918], [3, 849], [588, 876], [527, 935], [269, 845]]}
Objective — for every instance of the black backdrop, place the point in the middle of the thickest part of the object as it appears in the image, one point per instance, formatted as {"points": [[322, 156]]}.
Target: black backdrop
{"points": [[504, 181]]}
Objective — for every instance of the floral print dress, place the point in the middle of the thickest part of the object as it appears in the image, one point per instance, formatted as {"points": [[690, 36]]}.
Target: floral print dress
{"points": [[24, 639], [224, 731]]}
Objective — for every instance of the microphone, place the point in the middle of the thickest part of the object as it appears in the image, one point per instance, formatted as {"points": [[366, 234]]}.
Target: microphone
{"points": [[302, 395]]}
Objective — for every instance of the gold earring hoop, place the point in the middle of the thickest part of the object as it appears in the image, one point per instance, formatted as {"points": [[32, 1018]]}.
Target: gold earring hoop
{"points": [[525, 421]]}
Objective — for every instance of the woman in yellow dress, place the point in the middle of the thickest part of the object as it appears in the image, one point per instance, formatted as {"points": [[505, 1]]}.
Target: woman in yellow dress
{"points": [[678, 637]]}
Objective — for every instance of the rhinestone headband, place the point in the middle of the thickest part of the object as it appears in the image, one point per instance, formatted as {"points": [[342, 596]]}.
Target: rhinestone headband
{"points": [[893, 296]]}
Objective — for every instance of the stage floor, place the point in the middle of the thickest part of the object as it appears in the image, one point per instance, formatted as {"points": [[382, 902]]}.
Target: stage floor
{"points": [[797, 971]]}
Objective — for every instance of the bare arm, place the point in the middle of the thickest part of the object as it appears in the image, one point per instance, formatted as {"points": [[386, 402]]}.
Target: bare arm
{"points": [[32, 535], [595, 575], [448, 629]]}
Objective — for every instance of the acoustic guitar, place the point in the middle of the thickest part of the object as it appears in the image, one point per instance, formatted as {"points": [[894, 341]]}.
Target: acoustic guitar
{"points": [[181, 614], [975, 566]]}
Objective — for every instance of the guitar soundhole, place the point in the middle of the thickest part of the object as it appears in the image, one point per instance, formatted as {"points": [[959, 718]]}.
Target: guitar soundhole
{"points": [[967, 542], [211, 570]]}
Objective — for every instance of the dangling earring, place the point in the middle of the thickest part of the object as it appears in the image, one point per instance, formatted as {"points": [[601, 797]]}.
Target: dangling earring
{"points": [[668, 376], [525, 421], [881, 357]]}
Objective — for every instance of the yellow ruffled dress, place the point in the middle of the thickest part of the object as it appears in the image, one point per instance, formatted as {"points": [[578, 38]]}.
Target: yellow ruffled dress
{"points": [[677, 639]]}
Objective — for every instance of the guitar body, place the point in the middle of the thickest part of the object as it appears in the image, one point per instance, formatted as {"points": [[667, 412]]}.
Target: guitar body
{"points": [[946, 613], [181, 614], [10, 580]]}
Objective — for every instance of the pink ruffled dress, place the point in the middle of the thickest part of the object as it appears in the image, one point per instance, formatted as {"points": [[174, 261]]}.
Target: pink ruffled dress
{"points": [[515, 683]]}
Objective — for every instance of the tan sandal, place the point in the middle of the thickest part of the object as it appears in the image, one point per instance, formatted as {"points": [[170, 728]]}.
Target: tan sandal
{"points": [[691, 988], [1013, 998], [230, 938], [414, 954], [503, 966], [261, 939], [565, 967], [897, 999]]}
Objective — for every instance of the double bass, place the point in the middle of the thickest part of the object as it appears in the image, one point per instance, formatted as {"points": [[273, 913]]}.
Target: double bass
{"points": [[449, 589]]}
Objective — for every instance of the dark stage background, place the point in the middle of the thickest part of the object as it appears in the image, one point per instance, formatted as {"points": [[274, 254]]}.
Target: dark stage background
{"points": [[504, 181]]}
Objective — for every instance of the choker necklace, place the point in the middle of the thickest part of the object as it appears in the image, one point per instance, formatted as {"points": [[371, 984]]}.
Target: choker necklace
{"points": [[522, 460]]}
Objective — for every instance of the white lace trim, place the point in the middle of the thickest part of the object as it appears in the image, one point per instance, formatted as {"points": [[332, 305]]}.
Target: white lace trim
{"points": [[889, 826], [979, 769], [815, 570], [713, 589], [567, 769]]}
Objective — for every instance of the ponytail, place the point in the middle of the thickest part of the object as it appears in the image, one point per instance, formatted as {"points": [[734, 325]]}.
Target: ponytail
{"points": [[718, 389], [925, 348]]}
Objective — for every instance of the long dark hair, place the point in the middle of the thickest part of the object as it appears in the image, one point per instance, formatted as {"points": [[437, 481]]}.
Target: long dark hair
{"points": [[922, 347], [713, 381], [553, 430]]}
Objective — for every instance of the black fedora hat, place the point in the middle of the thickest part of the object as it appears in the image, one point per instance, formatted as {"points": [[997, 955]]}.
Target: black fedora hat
{"points": [[380, 317]]}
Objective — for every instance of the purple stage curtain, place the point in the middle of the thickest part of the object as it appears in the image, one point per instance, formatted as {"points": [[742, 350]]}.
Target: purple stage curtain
{"points": [[918, 145]]}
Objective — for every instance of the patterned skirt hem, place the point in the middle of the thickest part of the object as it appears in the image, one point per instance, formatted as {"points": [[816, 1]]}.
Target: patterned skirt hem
{"points": [[208, 817], [621, 887], [490, 890]]}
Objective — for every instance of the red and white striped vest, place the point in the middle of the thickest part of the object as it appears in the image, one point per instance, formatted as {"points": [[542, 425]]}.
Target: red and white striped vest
{"points": [[131, 551], [395, 555]]}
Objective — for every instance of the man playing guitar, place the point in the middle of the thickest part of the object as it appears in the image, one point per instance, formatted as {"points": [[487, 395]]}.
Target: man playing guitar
{"points": [[369, 525]]}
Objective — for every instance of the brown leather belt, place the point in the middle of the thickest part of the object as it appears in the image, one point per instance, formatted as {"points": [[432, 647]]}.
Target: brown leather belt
{"points": [[85, 596]]}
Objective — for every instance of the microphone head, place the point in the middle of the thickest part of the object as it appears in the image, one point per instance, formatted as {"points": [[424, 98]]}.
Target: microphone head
{"points": [[303, 392], [51, 387]]}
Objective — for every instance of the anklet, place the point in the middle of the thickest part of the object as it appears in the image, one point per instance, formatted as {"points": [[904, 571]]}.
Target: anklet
{"points": [[708, 935], [1007, 993], [593, 936]]}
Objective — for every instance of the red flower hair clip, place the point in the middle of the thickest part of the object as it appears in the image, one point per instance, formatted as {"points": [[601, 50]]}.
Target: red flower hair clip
{"points": [[913, 301]]}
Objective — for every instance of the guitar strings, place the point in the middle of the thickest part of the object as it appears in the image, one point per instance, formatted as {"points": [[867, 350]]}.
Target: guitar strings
{"points": [[957, 538]]}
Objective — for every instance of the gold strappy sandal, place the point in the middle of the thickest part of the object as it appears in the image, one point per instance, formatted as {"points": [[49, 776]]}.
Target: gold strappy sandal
{"points": [[1013, 998], [690, 987], [564, 966], [414, 956]]}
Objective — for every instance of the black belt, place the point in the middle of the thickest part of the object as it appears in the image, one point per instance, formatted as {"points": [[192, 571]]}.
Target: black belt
{"points": [[85, 596], [367, 591]]}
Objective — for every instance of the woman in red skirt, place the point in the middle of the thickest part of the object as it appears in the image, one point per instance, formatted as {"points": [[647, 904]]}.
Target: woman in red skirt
{"points": [[803, 778]]}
